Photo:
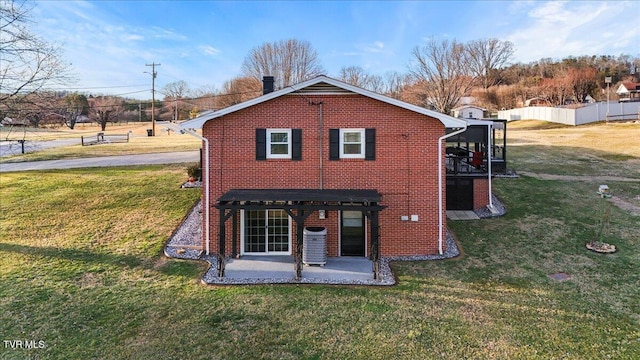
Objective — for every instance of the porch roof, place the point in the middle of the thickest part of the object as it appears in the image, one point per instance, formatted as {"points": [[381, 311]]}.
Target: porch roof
{"points": [[302, 195]]}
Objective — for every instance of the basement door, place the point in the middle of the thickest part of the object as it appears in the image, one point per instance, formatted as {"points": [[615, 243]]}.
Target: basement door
{"points": [[352, 234], [459, 194], [265, 232]]}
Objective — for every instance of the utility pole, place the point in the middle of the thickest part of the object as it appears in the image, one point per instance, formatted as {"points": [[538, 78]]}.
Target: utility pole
{"points": [[153, 97], [607, 80]]}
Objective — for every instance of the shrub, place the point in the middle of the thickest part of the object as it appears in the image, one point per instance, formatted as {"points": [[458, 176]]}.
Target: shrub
{"points": [[194, 171]]}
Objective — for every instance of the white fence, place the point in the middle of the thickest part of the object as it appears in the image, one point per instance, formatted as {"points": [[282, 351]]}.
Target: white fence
{"points": [[584, 115]]}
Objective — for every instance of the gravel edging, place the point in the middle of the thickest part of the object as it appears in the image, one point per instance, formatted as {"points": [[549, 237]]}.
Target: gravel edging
{"points": [[484, 212], [386, 275], [185, 242]]}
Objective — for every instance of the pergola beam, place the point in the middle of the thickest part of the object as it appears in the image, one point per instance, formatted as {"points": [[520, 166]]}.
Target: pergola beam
{"points": [[299, 211]]}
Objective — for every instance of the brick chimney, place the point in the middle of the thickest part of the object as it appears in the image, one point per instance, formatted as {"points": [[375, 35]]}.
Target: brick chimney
{"points": [[267, 84]]}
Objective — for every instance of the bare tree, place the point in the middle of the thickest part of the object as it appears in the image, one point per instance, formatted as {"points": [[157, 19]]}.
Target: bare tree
{"points": [[395, 84], [72, 107], [174, 92], [204, 98], [486, 59], [439, 67], [105, 108], [238, 90], [289, 61], [354, 75], [357, 76], [584, 81], [28, 63]]}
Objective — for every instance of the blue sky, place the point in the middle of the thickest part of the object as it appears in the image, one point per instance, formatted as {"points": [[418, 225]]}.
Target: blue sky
{"points": [[205, 42]]}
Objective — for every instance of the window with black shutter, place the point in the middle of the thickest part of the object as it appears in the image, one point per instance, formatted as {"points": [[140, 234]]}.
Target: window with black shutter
{"points": [[278, 144], [352, 144], [261, 144]]}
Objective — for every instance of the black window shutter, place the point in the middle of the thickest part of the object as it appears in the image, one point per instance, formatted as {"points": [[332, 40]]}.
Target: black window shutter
{"points": [[334, 144], [296, 144], [370, 144], [261, 144]]}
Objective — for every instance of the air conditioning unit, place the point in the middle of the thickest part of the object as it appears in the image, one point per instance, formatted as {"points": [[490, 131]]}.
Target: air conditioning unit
{"points": [[314, 246]]}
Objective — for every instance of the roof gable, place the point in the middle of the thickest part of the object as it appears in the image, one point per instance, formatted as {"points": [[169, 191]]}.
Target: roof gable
{"points": [[322, 85], [463, 107], [628, 87]]}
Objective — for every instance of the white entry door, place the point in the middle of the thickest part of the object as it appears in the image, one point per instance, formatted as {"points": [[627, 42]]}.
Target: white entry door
{"points": [[266, 232]]}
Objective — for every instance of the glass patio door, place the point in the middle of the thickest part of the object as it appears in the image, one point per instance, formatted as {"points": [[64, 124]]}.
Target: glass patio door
{"points": [[266, 232]]}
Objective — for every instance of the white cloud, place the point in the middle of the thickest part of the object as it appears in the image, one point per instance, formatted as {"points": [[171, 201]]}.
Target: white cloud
{"points": [[561, 29], [132, 37], [209, 50], [161, 33], [375, 47]]}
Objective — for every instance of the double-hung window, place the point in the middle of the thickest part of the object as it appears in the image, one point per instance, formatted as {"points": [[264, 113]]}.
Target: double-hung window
{"points": [[352, 143], [278, 143]]}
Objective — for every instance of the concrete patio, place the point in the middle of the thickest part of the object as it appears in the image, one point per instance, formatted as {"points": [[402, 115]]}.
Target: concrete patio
{"points": [[280, 269], [462, 215], [186, 243]]}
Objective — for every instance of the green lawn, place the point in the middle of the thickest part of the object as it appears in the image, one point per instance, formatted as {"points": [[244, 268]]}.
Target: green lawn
{"points": [[139, 142], [82, 271]]}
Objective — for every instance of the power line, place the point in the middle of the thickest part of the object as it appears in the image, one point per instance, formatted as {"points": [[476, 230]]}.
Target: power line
{"points": [[100, 87], [146, 102]]}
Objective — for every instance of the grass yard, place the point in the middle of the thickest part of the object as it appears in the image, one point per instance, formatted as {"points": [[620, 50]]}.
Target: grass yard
{"points": [[139, 142], [596, 149], [82, 271]]}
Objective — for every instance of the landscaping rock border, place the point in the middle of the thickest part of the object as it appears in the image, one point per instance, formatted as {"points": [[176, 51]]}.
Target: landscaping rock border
{"points": [[184, 243]]}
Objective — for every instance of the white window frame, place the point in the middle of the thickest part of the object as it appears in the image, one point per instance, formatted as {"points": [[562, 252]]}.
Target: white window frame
{"points": [[267, 252], [278, 156], [362, 144]]}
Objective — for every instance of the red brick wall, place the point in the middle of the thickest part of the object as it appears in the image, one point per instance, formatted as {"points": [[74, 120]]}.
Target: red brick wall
{"points": [[480, 193], [404, 171]]}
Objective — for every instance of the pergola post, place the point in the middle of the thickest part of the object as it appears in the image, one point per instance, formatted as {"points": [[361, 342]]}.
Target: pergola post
{"points": [[224, 216], [299, 204], [221, 237], [299, 243], [299, 219], [374, 254], [234, 230]]}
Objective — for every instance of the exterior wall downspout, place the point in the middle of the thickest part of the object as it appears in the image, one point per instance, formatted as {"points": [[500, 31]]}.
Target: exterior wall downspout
{"points": [[207, 203], [440, 188], [489, 151]]}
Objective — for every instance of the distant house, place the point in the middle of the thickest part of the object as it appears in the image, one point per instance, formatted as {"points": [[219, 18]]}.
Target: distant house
{"points": [[7, 121], [629, 91], [537, 101], [589, 99], [367, 168], [469, 112]]}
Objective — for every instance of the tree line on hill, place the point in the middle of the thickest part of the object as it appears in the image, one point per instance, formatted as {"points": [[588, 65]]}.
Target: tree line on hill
{"points": [[440, 74]]}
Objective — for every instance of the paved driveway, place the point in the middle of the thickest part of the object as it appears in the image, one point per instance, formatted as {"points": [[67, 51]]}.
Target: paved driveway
{"points": [[122, 160], [8, 148]]}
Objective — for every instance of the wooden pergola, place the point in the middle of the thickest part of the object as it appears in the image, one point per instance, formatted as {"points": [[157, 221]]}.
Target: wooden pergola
{"points": [[299, 204]]}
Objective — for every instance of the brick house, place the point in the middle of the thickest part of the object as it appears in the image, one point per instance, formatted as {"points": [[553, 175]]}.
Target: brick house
{"points": [[368, 168]]}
